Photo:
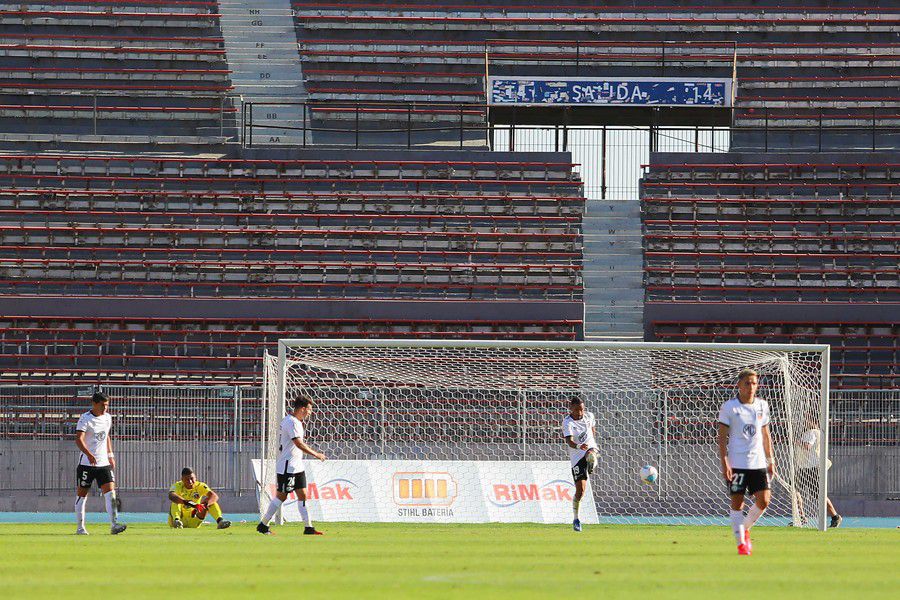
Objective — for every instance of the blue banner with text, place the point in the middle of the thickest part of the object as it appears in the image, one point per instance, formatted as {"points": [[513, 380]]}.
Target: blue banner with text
{"points": [[610, 92]]}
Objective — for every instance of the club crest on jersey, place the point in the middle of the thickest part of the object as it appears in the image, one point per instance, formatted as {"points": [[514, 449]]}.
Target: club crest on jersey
{"points": [[749, 430], [100, 436]]}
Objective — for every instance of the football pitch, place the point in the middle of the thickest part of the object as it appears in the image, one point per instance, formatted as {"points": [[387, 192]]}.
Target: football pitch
{"points": [[447, 561]]}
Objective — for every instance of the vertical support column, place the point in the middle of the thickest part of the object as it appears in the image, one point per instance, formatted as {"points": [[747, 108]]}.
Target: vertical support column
{"points": [[280, 404], [791, 481], [236, 442], [264, 431], [603, 163], [665, 442], [823, 427]]}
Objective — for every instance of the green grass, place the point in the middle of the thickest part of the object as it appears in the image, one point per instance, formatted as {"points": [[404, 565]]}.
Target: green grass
{"points": [[447, 561]]}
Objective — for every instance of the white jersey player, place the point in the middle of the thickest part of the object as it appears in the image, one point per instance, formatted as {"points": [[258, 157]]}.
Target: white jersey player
{"points": [[289, 470], [96, 463], [579, 432], [745, 451]]}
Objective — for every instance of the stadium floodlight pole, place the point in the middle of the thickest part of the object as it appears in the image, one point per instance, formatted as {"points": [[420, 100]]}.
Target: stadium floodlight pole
{"points": [[823, 446]]}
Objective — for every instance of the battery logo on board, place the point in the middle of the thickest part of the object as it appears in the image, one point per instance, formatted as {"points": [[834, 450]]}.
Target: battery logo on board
{"points": [[424, 488]]}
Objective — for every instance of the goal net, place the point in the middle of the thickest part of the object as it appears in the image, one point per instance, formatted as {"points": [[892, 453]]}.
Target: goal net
{"points": [[494, 410]]}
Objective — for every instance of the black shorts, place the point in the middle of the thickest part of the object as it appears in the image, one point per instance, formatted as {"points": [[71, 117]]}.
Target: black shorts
{"points": [[288, 482], [86, 475], [579, 470], [748, 481]]}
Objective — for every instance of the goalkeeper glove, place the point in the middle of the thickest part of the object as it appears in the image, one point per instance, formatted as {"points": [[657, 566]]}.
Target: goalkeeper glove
{"points": [[200, 511]]}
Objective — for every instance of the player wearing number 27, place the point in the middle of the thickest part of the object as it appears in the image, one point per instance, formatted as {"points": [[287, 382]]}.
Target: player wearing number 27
{"points": [[745, 450]]}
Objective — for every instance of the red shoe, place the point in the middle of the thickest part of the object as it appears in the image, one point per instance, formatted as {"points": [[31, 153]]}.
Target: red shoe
{"points": [[744, 550], [747, 542], [312, 531]]}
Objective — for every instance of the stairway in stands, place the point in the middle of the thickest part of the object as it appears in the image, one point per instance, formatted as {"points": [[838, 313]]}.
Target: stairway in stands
{"points": [[265, 68]]}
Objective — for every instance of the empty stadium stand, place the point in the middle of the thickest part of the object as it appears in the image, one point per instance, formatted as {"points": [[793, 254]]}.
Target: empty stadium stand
{"points": [[785, 240], [124, 70], [139, 241], [316, 226], [864, 355], [794, 78], [206, 350]]}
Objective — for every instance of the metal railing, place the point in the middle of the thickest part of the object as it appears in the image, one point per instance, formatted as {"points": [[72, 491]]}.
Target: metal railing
{"points": [[224, 113], [351, 123], [157, 430], [376, 124]]}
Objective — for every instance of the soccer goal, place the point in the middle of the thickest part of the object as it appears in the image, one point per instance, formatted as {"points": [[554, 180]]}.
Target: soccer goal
{"points": [[470, 431]]}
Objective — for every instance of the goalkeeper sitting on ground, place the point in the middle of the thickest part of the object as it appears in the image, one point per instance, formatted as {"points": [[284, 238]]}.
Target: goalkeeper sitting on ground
{"points": [[191, 500]]}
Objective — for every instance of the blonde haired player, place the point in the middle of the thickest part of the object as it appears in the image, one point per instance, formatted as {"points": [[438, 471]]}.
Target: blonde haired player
{"points": [[191, 501], [745, 451]]}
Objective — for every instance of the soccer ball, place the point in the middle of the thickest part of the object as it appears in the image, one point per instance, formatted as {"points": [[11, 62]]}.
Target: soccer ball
{"points": [[649, 474]]}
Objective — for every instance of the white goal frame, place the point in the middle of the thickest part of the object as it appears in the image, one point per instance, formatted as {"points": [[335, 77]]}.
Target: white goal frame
{"points": [[286, 346]]}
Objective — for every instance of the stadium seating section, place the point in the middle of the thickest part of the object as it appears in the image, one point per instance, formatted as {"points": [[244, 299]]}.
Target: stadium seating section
{"points": [[320, 226], [781, 233], [63, 350], [803, 212], [135, 70], [864, 355], [792, 71]]}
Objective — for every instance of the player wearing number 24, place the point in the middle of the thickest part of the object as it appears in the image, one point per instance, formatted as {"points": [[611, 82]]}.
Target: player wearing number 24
{"points": [[745, 451]]}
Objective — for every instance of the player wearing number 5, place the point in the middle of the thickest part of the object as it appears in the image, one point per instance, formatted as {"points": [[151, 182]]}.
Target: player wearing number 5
{"points": [[97, 462], [745, 450], [191, 500]]}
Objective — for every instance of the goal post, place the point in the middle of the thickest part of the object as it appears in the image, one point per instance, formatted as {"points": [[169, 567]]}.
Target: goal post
{"points": [[474, 427]]}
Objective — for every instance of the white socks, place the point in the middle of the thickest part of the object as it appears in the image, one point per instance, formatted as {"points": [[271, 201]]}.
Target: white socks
{"points": [[80, 509], [753, 514], [575, 505], [737, 525], [274, 505], [304, 512], [110, 498]]}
